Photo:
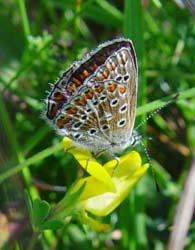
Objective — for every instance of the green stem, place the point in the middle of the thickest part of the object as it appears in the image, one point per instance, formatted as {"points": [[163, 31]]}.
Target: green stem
{"points": [[24, 18], [33, 240]]}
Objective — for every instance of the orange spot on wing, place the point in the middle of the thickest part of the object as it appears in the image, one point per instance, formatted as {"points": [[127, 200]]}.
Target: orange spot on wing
{"points": [[113, 65], [72, 87], [61, 122], [88, 95], [58, 96], [85, 73], [81, 102], [101, 59], [122, 89], [123, 58], [111, 88], [109, 67], [53, 110], [75, 80], [105, 73], [100, 76], [93, 67], [71, 111], [82, 76], [99, 89]]}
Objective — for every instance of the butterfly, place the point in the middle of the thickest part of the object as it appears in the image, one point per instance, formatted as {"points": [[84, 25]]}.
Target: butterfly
{"points": [[94, 101]]}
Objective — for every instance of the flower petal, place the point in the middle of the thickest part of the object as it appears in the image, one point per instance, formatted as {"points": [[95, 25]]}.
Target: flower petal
{"points": [[126, 175], [88, 162], [93, 187], [107, 186]]}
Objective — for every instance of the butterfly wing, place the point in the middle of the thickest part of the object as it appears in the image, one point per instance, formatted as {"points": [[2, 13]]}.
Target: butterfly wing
{"points": [[94, 102], [117, 95]]}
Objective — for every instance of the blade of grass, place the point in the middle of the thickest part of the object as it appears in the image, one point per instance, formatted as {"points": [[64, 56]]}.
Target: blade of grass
{"points": [[14, 147], [30, 161], [186, 94], [133, 29]]}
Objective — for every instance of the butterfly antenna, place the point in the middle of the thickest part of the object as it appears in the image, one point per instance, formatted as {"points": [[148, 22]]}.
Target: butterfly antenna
{"points": [[144, 147], [152, 169], [157, 110]]}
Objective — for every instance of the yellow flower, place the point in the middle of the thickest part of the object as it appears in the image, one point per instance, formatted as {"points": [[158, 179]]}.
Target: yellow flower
{"points": [[107, 186]]}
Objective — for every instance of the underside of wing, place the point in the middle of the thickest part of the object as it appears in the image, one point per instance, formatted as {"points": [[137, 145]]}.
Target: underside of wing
{"points": [[96, 104]]}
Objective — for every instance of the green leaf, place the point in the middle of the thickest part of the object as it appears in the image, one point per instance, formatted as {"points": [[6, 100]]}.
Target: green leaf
{"points": [[52, 224], [40, 212]]}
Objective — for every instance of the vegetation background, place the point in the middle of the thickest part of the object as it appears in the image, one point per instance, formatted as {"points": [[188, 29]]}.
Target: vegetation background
{"points": [[39, 40]]}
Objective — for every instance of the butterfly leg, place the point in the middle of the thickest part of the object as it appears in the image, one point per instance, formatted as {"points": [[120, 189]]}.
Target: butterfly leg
{"points": [[117, 159], [94, 156], [68, 149]]}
